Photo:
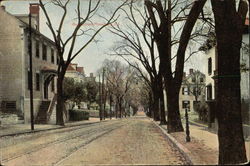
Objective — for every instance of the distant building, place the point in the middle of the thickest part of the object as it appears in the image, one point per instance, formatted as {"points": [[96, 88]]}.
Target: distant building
{"points": [[91, 77], [75, 72], [14, 67], [78, 74], [192, 90]]}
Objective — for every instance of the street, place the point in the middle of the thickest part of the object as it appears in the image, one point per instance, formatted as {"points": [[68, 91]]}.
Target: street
{"points": [[128, 141]]}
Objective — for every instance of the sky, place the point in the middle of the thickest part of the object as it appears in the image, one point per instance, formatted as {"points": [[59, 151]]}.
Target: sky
{"points": [[92, 57]]}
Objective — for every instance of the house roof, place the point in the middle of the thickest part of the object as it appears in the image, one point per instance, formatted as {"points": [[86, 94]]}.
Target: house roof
{"points": [[26, 26], [70, 68], [79, 69]]}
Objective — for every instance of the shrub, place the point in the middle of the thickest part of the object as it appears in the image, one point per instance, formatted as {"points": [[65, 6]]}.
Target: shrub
{"points": [[202, 109], [77, 115]]}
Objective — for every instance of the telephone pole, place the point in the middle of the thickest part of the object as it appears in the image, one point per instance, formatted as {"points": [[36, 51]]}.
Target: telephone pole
{"points": [[103, 91], [100, 99], [30, 76]]}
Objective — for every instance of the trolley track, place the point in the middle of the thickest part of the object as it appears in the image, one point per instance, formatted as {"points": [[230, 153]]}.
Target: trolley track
{"points": [[89, 134]]}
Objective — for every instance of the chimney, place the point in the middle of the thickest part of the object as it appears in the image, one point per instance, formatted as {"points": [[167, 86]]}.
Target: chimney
{"points": [[34, 11], [184, 74], [191, 71]]}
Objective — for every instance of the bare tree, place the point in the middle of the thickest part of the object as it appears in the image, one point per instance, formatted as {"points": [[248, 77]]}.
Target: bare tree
{"points": [[66, 48], [120, 79], [138, 43], [229, 30], [161, 19]]}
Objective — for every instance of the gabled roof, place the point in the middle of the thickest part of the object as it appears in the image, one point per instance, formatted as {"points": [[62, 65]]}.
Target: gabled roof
{"points": [[70, 68], [26, 26]]}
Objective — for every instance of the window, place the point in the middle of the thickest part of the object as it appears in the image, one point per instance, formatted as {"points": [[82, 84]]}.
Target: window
{"points": [[209, 92], [201, 80], [29, 80], [44, 52], [37, 49], [52, 85], [57, 60], [52, 56], [37, 81], [185, 91], [193, 79], [209, 66], [185, 104]]}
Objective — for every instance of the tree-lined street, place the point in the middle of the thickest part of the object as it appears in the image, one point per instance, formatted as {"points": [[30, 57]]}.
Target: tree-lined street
{"points": [[145, 101]]}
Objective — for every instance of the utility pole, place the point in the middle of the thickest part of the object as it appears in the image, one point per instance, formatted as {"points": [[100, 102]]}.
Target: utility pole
{"points": [[110, 106], [100, 99], [30, 75], [103, 101]]}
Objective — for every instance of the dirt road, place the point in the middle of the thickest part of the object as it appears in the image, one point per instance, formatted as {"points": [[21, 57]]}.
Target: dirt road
{"points": [[128, 141]]}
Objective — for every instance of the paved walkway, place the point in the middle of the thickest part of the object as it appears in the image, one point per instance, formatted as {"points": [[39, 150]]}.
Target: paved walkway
{"points": [[203, 148]]}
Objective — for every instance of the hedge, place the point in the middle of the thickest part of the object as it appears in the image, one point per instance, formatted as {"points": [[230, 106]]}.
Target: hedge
{"points": [[77, 115]]}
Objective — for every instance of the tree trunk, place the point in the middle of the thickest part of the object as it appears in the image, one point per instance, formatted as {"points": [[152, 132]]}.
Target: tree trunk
{"points": [[174, 117], [156, 97], [162, 108], [110, 107], [150, 113], [229, 38], [60, 100], [120, 108], [116, 109]]}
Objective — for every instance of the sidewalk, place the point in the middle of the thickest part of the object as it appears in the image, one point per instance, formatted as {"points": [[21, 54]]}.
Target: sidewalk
{"points": [[17, 129], [203, 148]]}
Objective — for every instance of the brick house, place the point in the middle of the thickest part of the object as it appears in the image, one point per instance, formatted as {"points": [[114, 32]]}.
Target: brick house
{"points": [[14, 67]]}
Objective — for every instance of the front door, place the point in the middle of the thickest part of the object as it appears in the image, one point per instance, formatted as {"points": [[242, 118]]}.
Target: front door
{"points": [[46, 96]]}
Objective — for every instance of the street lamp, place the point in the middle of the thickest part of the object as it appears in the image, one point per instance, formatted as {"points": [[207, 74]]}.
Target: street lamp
{"points": [[187, 126]]}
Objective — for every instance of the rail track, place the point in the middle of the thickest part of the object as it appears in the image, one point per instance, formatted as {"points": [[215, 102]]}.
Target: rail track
{"points": [[86, 134]]}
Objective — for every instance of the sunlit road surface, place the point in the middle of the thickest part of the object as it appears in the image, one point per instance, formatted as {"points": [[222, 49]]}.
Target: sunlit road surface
{"points": [[128, 141]]}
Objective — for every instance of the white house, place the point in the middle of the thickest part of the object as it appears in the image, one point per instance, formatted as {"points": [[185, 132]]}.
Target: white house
{"points": [[192, 90], [14, 67], [211, 72]]}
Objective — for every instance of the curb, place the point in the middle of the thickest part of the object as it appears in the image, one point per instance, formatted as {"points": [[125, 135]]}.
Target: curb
{"points": [[197, 124], [48, 129], [184, 151]]}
